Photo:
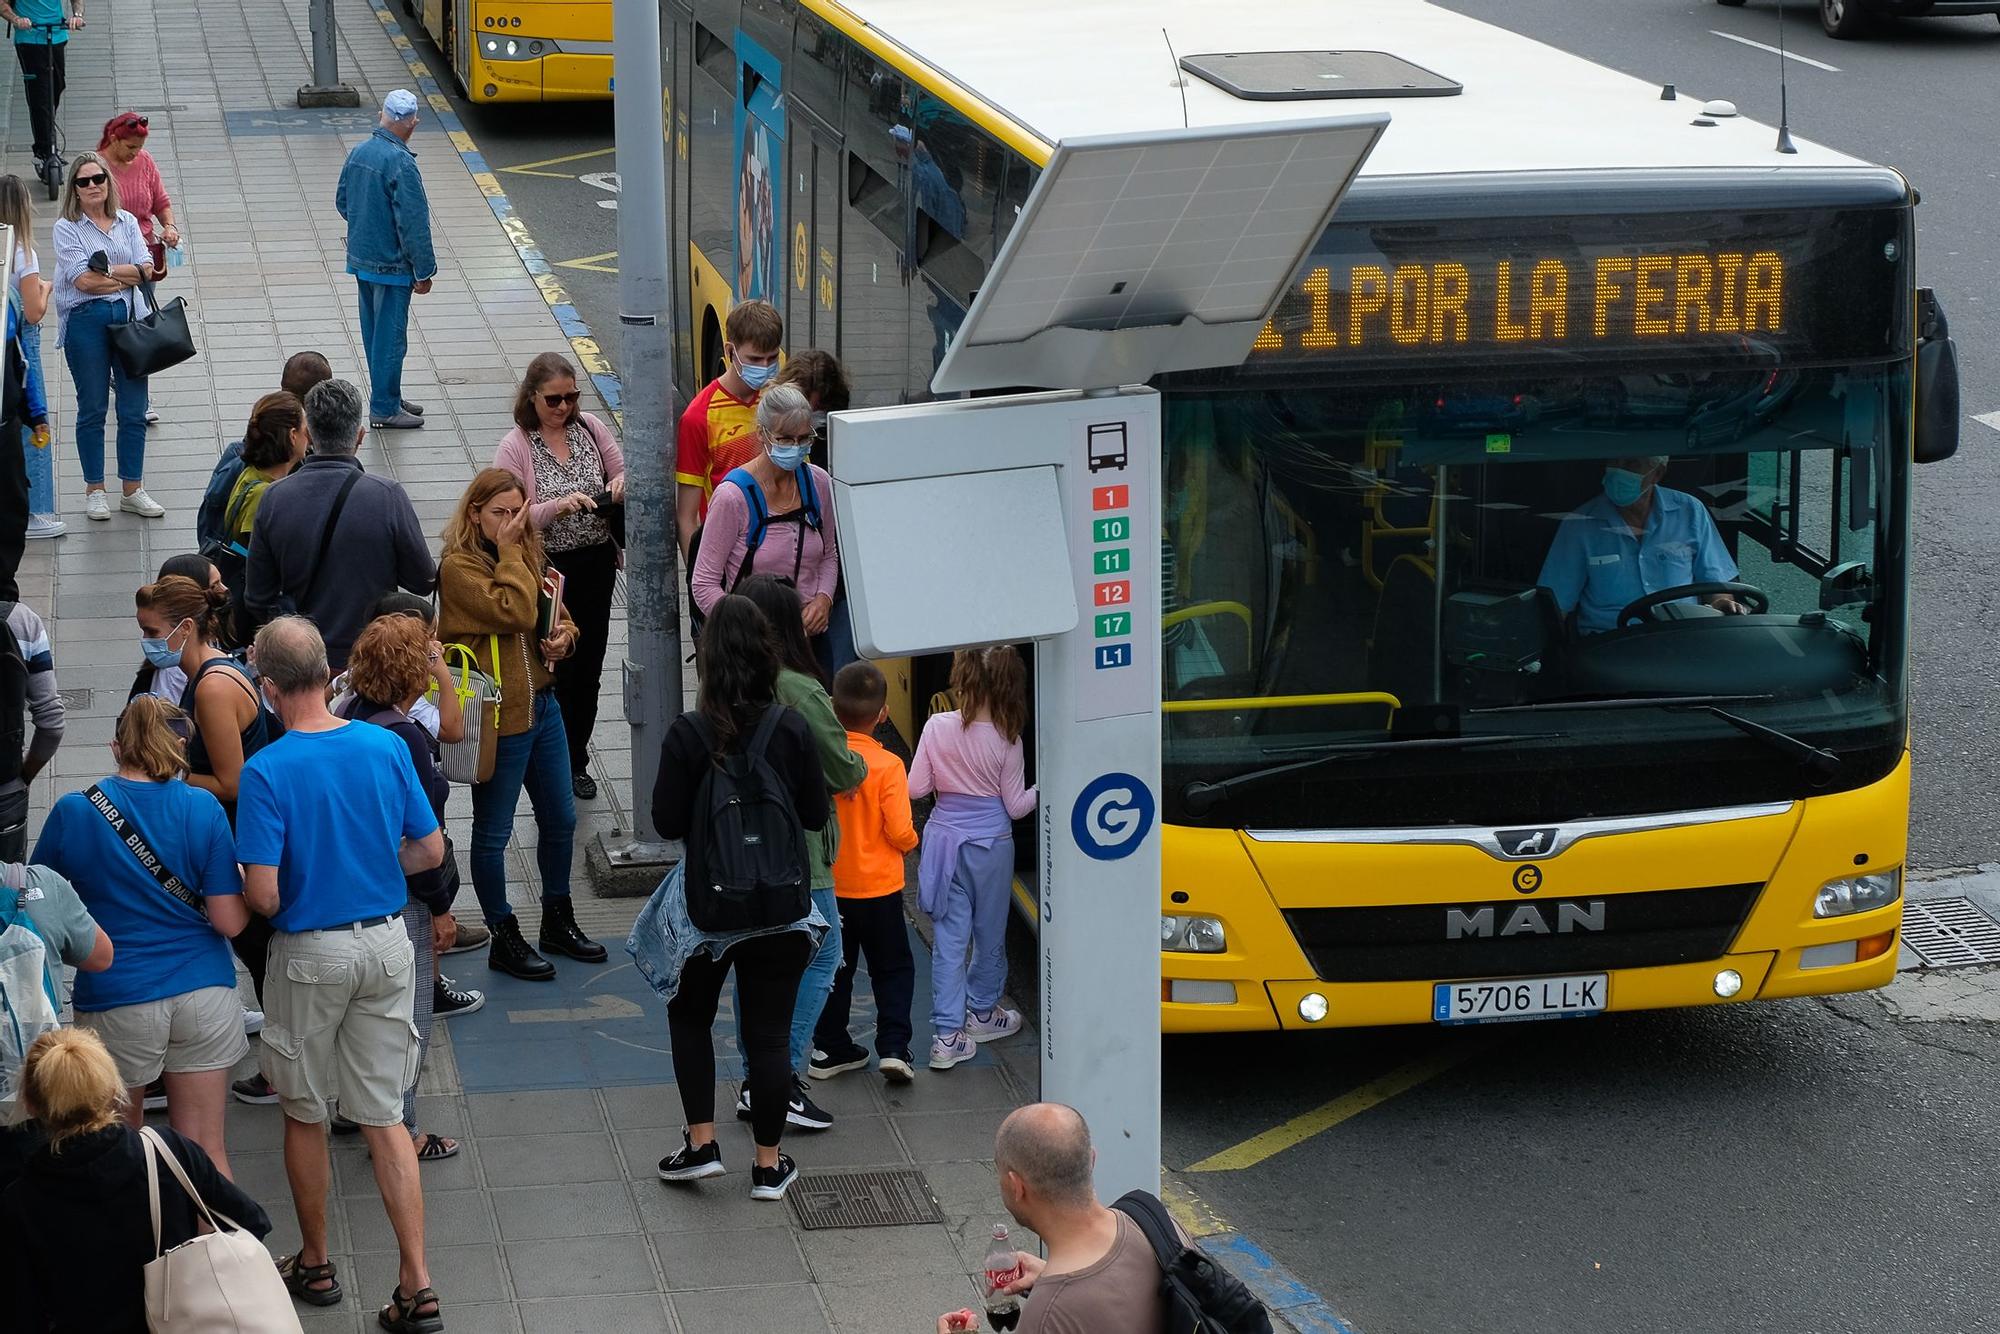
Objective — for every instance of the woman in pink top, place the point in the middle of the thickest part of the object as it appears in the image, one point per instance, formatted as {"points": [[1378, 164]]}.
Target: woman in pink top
{"points": [[972, 759], [141, 192], [798, 541]]}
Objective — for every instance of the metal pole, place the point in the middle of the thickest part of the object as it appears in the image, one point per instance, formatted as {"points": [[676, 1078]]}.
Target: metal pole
{"points": [[652, 578], [326, 89]]}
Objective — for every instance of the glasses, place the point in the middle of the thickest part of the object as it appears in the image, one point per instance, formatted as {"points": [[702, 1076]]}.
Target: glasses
{"points": [[90, 182], [568, 400], [805, 439]]}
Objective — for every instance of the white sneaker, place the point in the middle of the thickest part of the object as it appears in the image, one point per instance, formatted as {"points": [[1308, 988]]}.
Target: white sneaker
{"points": [[97, 505], [45, 525], [253, 1021], [152, 417], [1000, 1022], [141, 504], [950, 1050]]}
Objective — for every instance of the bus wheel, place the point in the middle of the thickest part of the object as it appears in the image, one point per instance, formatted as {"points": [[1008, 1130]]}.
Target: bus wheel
{"points": [[1844, 19], [712, 362]]}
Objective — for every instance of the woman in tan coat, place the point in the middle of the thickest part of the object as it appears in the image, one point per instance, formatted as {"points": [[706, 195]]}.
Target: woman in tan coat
{"points": [[490, 593]]}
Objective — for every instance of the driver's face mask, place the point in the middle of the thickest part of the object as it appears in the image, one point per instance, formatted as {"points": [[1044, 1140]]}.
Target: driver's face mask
{"points": [[1623, 487]]}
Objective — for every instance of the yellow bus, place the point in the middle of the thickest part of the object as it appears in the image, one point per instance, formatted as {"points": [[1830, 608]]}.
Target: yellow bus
{"points": [[522, 50], [1537, 593]]}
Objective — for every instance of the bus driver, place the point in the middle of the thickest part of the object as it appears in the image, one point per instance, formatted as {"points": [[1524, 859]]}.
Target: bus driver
{"points": [[1633, 538]]}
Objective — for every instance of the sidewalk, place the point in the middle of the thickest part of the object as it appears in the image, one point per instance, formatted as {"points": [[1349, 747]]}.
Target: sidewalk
{"points": [[551, 1218]]}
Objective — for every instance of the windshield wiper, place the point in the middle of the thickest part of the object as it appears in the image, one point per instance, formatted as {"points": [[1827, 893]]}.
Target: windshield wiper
{"points": [[1201, 797], [1816, 758]]}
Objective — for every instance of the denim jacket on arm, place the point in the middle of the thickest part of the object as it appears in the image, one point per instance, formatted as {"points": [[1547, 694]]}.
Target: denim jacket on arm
{"points": [[381, 194]]}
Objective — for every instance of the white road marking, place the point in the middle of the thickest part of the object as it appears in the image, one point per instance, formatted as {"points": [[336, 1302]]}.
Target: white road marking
{"points": [[600, 1007], [1789, 55], [1989, 419]]}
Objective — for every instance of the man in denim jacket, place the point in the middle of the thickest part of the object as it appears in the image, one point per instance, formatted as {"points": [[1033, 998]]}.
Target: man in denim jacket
{"points": [[381, 194]]}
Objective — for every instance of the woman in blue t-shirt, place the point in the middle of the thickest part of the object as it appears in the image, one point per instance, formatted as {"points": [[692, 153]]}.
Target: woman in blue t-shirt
{"points": [[168, 1001]]}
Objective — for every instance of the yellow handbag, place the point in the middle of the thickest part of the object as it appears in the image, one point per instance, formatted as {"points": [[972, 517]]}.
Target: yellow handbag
{"points": [[470, 759]]}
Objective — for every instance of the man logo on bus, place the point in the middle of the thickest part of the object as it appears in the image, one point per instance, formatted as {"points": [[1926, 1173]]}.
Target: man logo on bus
{"points": [[1111, 817], [1527, 842]]}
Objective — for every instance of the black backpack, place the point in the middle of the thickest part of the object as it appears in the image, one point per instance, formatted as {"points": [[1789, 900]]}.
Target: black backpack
{"points": [[13, 699], [210, 520], [1201, 1296], [746, 850]]}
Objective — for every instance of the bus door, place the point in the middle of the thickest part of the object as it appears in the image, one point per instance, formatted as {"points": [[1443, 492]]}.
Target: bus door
{"points": [[814, 252]]}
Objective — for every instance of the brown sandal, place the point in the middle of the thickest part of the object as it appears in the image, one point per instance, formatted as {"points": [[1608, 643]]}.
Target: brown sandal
{"points": [[299, 1278], [400, 1315]]}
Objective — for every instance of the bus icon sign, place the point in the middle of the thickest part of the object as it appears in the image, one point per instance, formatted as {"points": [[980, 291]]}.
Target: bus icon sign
{"points": [[1105, 447]]}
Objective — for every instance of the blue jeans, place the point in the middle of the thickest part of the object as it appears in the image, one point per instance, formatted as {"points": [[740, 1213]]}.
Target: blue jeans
{"points": [[835, 648], [41, 462], [98, 377], [385, 334], [814, 987], [538, 760]]}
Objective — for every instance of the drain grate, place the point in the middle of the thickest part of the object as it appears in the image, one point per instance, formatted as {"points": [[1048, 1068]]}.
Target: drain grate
{"points": [[78, 700], [863, 1199], [1950, 933]]}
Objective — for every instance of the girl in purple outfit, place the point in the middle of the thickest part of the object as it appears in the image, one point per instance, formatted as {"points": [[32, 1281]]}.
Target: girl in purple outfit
{"points": [[972, 759]]}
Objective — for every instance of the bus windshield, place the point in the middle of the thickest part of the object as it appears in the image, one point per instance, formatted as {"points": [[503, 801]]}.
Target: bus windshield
{"points": [[1669, 565]]}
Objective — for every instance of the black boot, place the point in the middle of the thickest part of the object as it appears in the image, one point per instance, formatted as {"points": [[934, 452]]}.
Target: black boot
{"points": [[560, 934], [510, 953]]}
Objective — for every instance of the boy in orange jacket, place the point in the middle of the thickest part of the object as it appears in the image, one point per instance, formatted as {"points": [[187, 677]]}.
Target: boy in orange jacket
{"points": [[875, 833]]}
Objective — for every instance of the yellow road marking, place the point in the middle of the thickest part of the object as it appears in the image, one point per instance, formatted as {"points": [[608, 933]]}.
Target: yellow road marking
{"points": [[1190, 1210], [594, 263], [535, 168], [1322, 1118]]}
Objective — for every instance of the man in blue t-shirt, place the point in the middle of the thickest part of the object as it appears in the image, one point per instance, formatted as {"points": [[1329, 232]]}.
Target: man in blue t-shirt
{"points": [[41, 37], [329, 819]]}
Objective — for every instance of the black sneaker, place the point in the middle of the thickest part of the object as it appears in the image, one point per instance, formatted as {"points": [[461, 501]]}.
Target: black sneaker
{"points": [[771, 1183], [156, 1096], [803, 1111], [256, 1091], [897, 1067], [449, 999], [692, 1164], [825, 1064]]}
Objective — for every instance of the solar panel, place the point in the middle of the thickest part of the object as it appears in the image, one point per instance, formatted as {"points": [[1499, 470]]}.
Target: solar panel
{"points": [[1154, 252]]}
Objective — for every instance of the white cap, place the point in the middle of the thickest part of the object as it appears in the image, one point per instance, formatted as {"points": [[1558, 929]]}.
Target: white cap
{"points": [[400, 105]]}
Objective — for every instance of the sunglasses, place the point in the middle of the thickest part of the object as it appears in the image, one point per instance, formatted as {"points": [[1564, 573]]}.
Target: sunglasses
{"points": [[86, 182], [568, 400]]}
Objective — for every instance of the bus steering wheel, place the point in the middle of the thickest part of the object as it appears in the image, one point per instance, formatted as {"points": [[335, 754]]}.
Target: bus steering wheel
{"points": [[1640, 612]]}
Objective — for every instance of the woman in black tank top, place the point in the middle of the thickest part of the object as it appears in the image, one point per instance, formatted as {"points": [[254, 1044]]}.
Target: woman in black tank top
{"points": [[180, 621]]}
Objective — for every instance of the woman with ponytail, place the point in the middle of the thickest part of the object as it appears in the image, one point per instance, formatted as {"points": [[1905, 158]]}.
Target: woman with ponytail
{"points": [[167, 1005], [75, 1231], [181, 625]]}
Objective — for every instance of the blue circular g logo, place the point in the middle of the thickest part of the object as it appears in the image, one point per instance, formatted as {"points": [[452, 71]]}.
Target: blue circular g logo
{"points": [[1112, 816]]}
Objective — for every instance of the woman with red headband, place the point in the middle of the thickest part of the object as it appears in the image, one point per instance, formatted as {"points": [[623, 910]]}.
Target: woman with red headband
{"points": [[141, 192]]}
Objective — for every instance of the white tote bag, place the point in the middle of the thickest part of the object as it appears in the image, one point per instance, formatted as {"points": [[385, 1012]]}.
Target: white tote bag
{"points": [[222, 1282]]}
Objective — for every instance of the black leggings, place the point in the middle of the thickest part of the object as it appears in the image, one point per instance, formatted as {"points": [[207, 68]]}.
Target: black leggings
{"points": [[768, 969], [43, 74], [590, 574], [253, 945]]}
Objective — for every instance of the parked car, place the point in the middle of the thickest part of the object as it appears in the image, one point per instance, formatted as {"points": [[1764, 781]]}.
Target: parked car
{"points": [[1857, 18]]}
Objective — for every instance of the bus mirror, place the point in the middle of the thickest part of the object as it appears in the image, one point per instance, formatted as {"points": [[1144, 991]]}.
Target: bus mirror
{"points": [[1845, 585], [1937, 383]]}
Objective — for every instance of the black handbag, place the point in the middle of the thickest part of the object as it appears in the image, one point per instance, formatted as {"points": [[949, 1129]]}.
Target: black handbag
{"points": [[149, 344]]}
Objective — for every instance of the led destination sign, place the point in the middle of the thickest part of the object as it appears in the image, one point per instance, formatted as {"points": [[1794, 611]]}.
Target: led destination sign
{"points": [[1825, 285]]}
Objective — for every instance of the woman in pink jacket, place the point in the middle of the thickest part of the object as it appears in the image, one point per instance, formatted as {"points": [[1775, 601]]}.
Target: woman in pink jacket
{"points": [[571, 465]]}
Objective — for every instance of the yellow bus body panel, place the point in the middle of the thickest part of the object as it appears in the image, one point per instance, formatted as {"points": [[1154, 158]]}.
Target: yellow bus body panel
{"points": [[1248, 884]]}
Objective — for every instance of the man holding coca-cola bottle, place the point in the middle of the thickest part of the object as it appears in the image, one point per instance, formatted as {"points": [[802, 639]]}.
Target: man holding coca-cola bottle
{"points": [[1101, 1276]]}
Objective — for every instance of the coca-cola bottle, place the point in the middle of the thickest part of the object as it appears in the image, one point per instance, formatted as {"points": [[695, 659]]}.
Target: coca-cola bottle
{"points": [[1003, 1309]]}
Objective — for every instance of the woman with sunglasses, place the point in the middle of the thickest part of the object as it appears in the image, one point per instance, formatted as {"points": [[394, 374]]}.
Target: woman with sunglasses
{"points": [[101, 258], [568, 460], [796, 540]]}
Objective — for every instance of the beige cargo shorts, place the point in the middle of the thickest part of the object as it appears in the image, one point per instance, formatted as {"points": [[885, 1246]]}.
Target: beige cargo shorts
{"points": [[337, 1021]]}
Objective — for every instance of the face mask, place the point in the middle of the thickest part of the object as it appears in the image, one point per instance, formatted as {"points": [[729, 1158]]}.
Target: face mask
{"points": [[788, 457], [1623, 487], [756, 376], [158, 654]]}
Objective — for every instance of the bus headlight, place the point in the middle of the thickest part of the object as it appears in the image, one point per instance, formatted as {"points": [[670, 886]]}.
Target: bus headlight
{"points": [[1191, 935], [1858, 893], [497, 47]]}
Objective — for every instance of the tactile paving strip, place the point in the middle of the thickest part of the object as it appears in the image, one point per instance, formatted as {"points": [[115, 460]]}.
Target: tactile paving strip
{"points": [[1950, 933], [863, 1199]]}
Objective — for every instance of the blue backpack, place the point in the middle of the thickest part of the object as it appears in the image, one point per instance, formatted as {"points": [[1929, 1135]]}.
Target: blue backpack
{"points": [[211, 519]]}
